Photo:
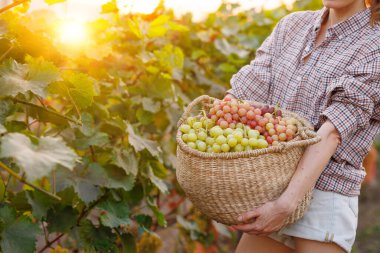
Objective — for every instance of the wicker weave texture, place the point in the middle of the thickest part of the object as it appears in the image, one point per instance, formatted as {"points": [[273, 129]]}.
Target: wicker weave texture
{"points": [[224, 185]]}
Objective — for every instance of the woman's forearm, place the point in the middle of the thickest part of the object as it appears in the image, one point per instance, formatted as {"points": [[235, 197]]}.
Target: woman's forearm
{"points": [[311, 165]]}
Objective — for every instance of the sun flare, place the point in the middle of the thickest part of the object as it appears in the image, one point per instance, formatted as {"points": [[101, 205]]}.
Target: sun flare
{"points": [[72, 32]]}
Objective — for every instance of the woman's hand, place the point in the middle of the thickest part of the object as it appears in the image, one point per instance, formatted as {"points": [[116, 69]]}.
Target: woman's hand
{"points": [[268, 218]]}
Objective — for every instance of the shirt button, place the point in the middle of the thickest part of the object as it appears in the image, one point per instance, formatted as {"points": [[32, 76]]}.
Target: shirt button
{"points": [[340, 37], [299, 78]]}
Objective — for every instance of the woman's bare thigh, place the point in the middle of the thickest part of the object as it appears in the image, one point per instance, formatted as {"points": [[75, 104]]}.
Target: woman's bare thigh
{"points": [[260, 244], [309, 246]]}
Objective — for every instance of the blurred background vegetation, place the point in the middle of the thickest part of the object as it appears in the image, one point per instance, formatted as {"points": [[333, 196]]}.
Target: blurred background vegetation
{"points": [[126, 84]]}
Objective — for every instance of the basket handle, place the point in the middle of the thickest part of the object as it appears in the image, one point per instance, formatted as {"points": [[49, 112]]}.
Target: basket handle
{"points": [[190, 107]]}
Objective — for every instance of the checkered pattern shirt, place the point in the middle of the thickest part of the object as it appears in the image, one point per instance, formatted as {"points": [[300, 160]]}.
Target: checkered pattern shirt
{"points": [[339, 81]]}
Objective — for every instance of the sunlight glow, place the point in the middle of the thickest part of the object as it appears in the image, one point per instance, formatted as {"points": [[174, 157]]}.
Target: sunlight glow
{"points": [[72, 32]]}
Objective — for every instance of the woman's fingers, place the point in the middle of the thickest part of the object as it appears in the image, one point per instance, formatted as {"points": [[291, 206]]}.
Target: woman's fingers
{"points": [[248, 216], [248, 227]]}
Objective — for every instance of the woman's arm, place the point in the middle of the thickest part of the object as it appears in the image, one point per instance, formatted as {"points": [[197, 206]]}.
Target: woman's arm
{"points": [[271, 216], [311, 165]]}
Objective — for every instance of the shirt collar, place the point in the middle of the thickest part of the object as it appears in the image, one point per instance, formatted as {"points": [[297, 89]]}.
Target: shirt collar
{"points": [[345, 27]]}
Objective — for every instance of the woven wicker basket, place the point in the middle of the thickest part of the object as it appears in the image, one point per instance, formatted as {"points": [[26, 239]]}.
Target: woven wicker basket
{"points": [[224, 185]]}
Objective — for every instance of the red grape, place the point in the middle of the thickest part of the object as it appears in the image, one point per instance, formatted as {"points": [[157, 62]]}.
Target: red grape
{"points": [[220, 113], [226, 109], [253, 124], [257, 111], [250, 115], [242, 112], [224, 124]]}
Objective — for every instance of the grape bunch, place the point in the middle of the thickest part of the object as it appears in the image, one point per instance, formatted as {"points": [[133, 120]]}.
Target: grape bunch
{"points": [[232, 125]]}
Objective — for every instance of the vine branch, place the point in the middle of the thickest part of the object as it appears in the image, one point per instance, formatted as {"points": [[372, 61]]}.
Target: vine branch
{"points": [[22, 180], [14, 4]]}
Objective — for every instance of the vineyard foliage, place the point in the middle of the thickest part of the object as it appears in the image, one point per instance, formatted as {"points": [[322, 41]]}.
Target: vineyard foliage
{"points": [[87, 134]]}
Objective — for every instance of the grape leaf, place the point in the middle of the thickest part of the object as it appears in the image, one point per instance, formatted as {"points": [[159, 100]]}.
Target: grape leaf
{"points": [[98, 139], [37, 160], [150, 105], [134, 26], [34, 76], [82, 89], [117, 178], [87, 124], [126, 160], [157, 213], [2, 129], [227, 49], [139, 143], [170, 57], [97, 239], [61, 219], [18, 235], [85, 183], [40, 203], [160, 184], [129, 243], [2, 190], [51, 2], [109, 7], [113, 214]]}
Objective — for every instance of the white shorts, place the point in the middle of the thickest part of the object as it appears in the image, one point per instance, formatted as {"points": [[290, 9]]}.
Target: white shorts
{"points": [[331, 217]]}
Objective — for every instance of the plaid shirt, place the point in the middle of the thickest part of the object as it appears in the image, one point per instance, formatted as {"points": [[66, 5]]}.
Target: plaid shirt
{"points": [[339, 81]]}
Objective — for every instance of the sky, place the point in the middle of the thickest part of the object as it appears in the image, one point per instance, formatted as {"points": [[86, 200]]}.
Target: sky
{"points": [[84, 10]]}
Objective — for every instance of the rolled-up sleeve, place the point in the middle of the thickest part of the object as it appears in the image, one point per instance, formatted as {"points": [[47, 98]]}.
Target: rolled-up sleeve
{"points": [[253, 81], [354, 98]]}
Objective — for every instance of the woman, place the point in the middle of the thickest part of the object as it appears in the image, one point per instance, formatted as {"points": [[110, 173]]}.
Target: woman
{"points": [[324, 65]]}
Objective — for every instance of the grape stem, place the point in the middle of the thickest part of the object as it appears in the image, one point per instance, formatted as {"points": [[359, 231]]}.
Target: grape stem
{"points": [[22, 180]]}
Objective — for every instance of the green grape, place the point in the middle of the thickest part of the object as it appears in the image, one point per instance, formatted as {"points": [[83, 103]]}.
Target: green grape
{"points": [[216, 148], [185, 137], [202, 135], [201, 146], [210, 141], [261, 137], [238, 135], [232, 142], [244, 142], [248, 148], [192, 137], [253, 134], [197, 125], [192, 131], [228, 131], [262, 143], [208, 123], [230, 136], [191, 120], [253, 142], [221, 140], [216, 131], [209, 149], [225, 147], [239, 125], [192, 145], [185, 128], [238, 148]]}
